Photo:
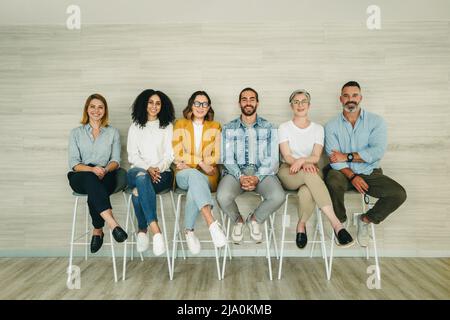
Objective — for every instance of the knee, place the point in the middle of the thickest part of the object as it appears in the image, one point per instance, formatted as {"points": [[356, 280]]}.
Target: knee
{"points": [[400, 195], [223, 198], [278, 196], [304, 195]]}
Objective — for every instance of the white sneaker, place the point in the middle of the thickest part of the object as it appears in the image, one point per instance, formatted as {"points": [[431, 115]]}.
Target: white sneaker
{"points": [[362, 234], [217, 235], [192, 242], [142, 242], [238, 232], [255, 232], [158, 244]]}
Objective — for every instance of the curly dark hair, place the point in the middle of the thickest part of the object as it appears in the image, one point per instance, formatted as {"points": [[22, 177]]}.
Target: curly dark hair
{"points": [[139, 109]]}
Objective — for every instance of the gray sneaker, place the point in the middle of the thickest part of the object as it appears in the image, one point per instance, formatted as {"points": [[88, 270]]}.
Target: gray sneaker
{"points": [[362, 235]]}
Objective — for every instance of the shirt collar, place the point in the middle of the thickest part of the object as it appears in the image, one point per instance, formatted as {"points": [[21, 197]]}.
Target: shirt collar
{"points": [[361, 115], [258, 122], [88, 128]]}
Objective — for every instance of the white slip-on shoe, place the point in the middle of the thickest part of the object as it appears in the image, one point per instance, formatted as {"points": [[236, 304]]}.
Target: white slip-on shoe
{"points": [[142, 242], [255, 232], [192, 242], [217, 235], [158, 244], [238, 232]]}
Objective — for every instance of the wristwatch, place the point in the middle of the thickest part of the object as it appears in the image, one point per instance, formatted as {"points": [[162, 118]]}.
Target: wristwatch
{"points": [[350, 157]]}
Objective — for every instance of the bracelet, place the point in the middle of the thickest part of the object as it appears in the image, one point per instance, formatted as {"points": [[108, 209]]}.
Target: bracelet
{"points": [[353, 177]]}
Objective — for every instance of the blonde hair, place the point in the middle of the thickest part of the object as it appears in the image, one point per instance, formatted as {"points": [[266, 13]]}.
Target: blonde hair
{"points": [[85, 117]]}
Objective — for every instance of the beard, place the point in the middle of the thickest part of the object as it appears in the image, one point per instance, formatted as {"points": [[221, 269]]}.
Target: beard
{"points": [[351, 106], [247, 111]]}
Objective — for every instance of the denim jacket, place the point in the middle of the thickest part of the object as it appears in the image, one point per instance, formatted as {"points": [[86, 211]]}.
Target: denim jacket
{"points": [[235, 154]]}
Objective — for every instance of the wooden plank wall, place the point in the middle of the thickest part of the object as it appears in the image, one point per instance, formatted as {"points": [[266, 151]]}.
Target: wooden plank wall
{"points": [[46, 73]]}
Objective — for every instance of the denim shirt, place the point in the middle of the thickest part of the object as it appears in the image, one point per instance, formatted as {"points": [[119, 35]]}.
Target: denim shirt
{"points": [[84, 149], [368, 138], [235, 149]]}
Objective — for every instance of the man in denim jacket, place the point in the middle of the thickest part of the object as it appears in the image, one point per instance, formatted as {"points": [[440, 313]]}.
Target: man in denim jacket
{"points": [[250, 156]]}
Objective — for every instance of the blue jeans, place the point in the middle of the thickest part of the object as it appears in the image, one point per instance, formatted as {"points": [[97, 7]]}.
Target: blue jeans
{"points": [[198, 194], [145, 203]]}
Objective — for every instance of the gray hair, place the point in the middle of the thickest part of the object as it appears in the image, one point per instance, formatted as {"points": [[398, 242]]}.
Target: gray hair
{"points": [[300, 91]]}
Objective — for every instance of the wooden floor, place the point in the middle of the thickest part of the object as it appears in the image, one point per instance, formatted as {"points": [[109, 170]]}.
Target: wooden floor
{"points": [[245, 278]]}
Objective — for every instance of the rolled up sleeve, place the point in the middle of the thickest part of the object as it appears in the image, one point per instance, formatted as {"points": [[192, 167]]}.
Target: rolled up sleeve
{"points": [[74, 152], [377, 143], [116, 148], [331, 143]]}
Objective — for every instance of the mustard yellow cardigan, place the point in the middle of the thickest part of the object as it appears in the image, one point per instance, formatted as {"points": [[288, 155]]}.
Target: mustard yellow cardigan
{"points": [[184, 146]]}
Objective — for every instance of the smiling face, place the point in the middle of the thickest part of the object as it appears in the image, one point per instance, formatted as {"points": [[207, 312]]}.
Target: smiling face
{"points": [[248, 103], [96, 110], [153, 106], [300, 105], [200, 107], [351, 98]]}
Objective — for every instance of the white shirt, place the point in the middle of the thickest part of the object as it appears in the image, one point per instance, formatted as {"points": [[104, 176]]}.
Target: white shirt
{"points": [[150, 146], [198, 131], [301, 141]]}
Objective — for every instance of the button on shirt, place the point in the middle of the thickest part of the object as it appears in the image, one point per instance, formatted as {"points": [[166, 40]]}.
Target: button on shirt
{"points": [[368, 138], [84, 149]]}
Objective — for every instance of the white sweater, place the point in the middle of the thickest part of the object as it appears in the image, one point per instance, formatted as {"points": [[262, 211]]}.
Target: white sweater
{"points": [[150, 146]]}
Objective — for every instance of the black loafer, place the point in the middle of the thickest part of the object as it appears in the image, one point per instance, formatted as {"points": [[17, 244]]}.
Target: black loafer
{"points": [[119, 234], [301, 240], [344, 239], [96, 243]]}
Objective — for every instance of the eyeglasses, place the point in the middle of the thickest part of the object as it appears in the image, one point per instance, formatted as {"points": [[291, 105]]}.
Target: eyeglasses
{"points": [[304, 102], [201, 104]]}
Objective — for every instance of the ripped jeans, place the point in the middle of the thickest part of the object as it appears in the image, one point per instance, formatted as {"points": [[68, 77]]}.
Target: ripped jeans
{"points": [[145, 202]]}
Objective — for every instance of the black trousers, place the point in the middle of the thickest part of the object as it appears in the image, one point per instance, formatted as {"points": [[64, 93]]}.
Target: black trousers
{"points": [[98, 192]]}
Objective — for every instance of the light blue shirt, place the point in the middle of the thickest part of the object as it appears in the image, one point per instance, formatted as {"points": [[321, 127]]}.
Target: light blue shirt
{"points": [[368, 138], [245, 152], [84, 149]]}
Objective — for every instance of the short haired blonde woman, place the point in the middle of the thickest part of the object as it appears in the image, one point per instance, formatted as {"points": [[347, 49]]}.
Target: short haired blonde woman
{"points": [[94, 157], [196, 143], [301, 144]]}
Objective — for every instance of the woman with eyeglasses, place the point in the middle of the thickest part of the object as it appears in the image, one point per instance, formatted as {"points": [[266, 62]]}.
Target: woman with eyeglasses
{"points": [[150, 155], [196, 144], [94, 157], [301, 144]]}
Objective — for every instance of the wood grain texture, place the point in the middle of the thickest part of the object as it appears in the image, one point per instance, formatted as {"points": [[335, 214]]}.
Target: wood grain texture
{"points": [[48, 71], [246, 279]]}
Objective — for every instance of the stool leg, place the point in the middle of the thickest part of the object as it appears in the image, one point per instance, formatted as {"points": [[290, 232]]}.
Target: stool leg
{"points": [[165, 234], [216, 252], [113, 255], [175, 234], [227, 221], [125, 245], [272, 234], [322, 242], [86, 220], [72, 238], [222, 216], [330, 265], [283, 234], [268, 249], [316, 229], [375, 252]]}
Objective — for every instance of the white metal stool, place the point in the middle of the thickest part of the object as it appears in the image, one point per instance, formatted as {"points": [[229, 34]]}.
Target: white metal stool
{"points": [[128, 194], [177, 234], [366, 203], [318, 229], [86, 233], [269, 231]]}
